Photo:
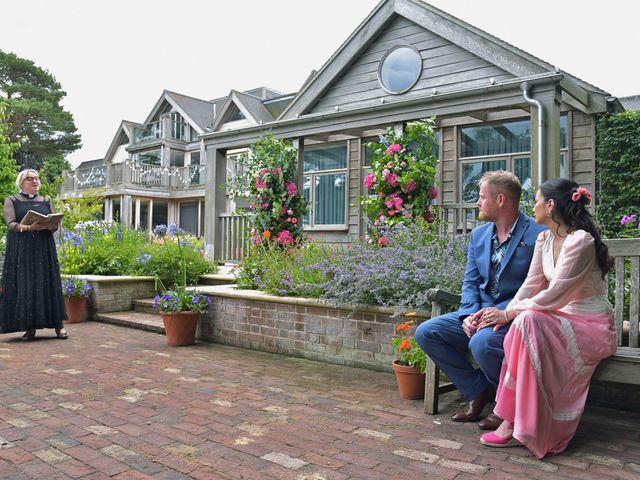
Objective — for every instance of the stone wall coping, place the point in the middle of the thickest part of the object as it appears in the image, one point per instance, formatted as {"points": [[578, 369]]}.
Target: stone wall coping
{"points": [[110, 278], [232, 291]]}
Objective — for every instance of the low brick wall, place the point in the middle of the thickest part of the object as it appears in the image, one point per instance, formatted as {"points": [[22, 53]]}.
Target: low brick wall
{"points": [[300, 327], [116, 293]]}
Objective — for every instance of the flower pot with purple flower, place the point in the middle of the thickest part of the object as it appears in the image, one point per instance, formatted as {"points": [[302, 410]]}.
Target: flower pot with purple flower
{"points": [[179, 307], [76, 296]]}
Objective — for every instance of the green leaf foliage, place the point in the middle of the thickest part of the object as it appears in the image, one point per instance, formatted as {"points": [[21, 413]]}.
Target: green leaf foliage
{"points": [[618, 170], [37, 122]]}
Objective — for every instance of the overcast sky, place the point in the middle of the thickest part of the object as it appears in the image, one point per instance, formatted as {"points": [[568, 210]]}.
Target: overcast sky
{"points": [[115, 58]]}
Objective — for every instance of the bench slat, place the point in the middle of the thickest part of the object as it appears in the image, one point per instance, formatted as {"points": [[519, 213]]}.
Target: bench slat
{"points": [[618, 309], [634, 302]]}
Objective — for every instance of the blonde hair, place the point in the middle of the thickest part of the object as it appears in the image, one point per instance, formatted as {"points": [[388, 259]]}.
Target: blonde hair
{"points": [[22, 175], [501, 181]]}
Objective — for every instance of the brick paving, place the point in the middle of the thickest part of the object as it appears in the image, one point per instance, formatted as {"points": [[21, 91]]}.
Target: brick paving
{"points": [[113, 402]]}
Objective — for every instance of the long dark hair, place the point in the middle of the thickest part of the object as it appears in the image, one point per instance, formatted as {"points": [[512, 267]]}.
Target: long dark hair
{"points": [[571, 202]]}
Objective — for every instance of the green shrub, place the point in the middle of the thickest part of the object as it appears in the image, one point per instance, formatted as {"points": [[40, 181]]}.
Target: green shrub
{"points": [[618, 170], [164, 260], [286, 271], [99, 248]]}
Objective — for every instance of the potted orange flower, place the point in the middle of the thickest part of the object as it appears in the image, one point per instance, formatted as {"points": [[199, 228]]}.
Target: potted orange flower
{"points": [[411, 365]]}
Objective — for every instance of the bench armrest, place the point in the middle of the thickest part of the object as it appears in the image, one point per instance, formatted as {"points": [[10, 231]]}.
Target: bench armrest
{"points": [[441, 296]]}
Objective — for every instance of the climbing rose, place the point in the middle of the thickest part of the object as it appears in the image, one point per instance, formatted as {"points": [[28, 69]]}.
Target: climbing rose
{"points": [[292, 188], [382, 241], [394, 148], [285, 238], [261, 184], [392, 179], [432, 193], [369, 180]]}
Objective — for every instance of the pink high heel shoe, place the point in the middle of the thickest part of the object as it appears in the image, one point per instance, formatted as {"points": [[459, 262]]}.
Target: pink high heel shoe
{"points": [[492, 440]]}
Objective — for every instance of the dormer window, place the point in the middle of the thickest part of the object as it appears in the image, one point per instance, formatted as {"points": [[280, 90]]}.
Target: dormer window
{"points": [[400, 69], [235, 114]]}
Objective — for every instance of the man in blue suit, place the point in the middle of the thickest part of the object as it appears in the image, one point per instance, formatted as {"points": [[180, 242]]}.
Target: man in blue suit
{"points": [[498, 259]]}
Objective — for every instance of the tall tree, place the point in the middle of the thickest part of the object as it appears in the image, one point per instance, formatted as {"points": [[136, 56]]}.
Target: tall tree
{"points": [[8, 167], [37, 121]]}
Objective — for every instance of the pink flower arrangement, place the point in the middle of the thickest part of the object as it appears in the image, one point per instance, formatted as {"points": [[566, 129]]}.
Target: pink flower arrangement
{"points": [[392, 149], [292, 188], [392, 179], [410, 186], [285, 238], [369, 181]]}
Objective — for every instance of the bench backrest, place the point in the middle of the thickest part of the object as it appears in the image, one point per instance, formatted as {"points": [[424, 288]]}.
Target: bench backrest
{"points": [[626, 252]]}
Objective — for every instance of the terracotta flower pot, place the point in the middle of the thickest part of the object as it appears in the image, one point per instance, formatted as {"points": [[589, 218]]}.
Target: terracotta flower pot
{"points": [[75, 308], [180, 327], [410, 381]]}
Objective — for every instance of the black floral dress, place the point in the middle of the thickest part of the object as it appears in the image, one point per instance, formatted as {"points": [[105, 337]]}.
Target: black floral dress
{"points": [[32, 289]]}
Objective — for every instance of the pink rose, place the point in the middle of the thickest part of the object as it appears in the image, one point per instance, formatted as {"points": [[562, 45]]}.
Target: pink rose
{"points": [[382, 241], [292, 188], [391, 149], [432, 193], [285, 238], [392, 179], [294, 220], [289, 212], [385, 173], [410, 186], [428, 216], [264, 205], [276, 171], [264, 171], [260, 184], [369, 180], [397, 203]]}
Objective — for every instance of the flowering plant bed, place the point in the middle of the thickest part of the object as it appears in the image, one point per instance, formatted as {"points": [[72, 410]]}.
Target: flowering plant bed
{"points": [[402, 179], [270, 182]]}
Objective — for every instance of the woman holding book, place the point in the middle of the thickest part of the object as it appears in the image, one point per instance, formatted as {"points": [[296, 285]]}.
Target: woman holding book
{"points": [[32, 291]]}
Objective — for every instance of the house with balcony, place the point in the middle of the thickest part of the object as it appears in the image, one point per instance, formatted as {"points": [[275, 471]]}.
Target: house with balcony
{"points": [[496, 106], [154, 173]]}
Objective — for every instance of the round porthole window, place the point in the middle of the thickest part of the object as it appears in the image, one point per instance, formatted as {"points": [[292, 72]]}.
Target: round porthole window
{"points": [[400, 69]]}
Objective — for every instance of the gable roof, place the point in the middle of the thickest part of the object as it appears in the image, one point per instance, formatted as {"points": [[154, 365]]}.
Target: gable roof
{"points": [[511, 59], [124, 132], [251, 106], [631, 103], [196, 112]]}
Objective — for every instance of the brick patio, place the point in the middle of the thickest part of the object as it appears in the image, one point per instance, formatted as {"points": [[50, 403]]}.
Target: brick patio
{"points": [[113, 402]]}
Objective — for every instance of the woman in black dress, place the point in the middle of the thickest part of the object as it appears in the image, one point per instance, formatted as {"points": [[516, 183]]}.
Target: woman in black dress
{"points": [[32, 290]]}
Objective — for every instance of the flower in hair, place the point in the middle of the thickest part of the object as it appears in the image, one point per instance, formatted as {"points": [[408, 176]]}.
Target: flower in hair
{"points": [[579, 193]]}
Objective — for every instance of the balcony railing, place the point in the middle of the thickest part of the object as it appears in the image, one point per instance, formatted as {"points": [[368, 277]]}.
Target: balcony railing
{"points": [[155, 176], [84, 178], [150, 131]]}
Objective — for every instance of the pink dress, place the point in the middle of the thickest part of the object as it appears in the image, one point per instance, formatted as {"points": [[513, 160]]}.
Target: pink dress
{"points": [[563, 330]]}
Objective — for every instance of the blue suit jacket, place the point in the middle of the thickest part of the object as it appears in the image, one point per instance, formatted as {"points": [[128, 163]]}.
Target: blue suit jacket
{"points": [[513, 271]]}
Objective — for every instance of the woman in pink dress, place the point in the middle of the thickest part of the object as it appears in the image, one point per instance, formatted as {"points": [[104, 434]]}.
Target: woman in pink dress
{"points": [[562, 326]]}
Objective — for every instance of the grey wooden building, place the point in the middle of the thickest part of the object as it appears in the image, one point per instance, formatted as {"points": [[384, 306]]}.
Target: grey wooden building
{"points": [[496, 107]]}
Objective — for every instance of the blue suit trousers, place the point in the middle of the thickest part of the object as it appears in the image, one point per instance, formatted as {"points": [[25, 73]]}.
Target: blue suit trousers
{"points": [[444, 340]]}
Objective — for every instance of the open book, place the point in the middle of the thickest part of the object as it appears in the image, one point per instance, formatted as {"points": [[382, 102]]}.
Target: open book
{"points": [[51, 220]]}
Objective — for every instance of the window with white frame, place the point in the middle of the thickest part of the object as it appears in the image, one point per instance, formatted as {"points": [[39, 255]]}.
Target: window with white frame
{"points": [[500, 146], [325, 186]]}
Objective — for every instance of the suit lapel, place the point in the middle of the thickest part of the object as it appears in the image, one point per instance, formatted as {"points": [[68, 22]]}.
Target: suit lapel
{"points": [[516, 238], [483, 260]]}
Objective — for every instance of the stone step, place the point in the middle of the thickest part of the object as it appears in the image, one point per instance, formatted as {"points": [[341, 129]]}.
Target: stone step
{"points": [[144, 305], [217, 279], [133, 319]]}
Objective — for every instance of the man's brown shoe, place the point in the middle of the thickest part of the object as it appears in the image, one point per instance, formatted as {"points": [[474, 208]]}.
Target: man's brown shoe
{"points": [[490, 422], [474, 407]]}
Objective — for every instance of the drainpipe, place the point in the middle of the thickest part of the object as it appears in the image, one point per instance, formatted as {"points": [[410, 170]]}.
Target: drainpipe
{"points": [[532, 101]]}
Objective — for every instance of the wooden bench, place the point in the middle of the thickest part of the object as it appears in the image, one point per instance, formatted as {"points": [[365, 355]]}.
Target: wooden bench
{"points": [[623, 367]]}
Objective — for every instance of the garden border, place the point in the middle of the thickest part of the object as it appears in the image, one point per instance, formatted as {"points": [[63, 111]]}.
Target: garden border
{"points": [[301, 327]]}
